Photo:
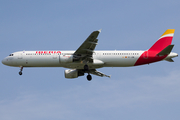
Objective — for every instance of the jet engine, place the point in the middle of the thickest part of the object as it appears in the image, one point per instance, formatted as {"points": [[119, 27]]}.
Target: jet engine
{"points": [[73, 73]]}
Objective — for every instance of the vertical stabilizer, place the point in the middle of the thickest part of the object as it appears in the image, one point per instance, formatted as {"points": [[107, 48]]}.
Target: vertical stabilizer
{"points": [[164, 41], [159, 50]]}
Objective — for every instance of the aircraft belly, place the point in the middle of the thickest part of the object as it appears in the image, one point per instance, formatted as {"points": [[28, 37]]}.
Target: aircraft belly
{"points": [[81, 65]]}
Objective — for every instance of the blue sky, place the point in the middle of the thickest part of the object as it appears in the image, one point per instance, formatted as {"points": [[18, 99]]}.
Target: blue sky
{"points": [[138, 93]]}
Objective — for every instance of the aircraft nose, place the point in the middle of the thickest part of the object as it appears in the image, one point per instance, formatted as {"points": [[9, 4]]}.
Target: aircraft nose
{"points": [[3, 61]]}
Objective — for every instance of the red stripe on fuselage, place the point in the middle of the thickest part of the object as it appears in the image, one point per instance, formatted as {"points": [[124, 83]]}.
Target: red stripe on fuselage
{"points": [[149, 57]]}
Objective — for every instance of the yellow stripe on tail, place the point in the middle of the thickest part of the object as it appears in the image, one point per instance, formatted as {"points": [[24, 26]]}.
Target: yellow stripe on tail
{"points": [[168, 31]]}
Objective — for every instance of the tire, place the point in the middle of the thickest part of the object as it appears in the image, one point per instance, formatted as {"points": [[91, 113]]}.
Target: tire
{"points": [[89, 77], [20, 73]]}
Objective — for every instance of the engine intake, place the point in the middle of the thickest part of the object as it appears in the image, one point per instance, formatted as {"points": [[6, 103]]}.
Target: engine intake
{"points": [[73, 73]]}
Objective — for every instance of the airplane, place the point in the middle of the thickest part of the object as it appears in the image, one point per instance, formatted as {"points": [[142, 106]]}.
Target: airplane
{"points": [[86, 60]]}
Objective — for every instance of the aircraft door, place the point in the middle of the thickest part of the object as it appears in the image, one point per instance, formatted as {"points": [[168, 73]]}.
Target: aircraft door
{"points": [[20, 56], [97, 54]]}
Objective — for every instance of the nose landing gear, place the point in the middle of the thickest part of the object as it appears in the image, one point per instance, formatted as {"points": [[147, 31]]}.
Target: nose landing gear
{"points": [[20, 72]]}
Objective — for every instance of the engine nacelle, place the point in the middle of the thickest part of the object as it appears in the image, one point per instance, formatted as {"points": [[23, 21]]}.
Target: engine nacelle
{"points": [[73, 73], [66, 58]]}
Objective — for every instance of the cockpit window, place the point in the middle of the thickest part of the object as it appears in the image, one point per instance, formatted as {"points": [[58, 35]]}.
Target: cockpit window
{"points": [[11, 55]]}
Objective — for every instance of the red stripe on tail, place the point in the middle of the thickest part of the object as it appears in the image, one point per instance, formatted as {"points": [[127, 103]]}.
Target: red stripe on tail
{"points": [[150, 55]]}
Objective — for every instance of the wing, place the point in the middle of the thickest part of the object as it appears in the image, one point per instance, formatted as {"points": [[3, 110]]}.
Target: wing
{"points": [[95, 72], [86, 50]]}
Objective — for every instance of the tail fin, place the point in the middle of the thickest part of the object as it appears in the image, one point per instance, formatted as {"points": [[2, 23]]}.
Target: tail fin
{"points": [[164, 41], [159, 51]]}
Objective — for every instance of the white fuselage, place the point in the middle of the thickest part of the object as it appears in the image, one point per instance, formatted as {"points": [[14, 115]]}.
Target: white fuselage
{"points": [[46, 59], [53, 59]]}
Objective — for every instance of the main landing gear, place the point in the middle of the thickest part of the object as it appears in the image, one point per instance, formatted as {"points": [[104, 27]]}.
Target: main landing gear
{"points": [[89, 77], [86, 69], [20, 72]]}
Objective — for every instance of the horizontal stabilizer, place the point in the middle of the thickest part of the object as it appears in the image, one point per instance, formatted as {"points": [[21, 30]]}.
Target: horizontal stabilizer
{"points": [[166, 51], [169, 60]]}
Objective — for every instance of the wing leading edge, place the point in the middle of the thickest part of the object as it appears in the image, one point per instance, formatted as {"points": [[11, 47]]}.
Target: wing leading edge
{"points": [[86, 50]]}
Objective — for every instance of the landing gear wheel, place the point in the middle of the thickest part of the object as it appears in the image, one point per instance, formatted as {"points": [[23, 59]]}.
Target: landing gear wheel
{"points": [[89, 78], [86, 67], [20, 73]]}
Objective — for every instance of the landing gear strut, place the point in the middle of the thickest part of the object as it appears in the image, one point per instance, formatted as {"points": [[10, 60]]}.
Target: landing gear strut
{"points": [[20, 72], [86, 69]]}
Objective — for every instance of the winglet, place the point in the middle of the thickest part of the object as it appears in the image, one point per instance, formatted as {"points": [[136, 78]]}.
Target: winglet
{"points": [[100, 30]]}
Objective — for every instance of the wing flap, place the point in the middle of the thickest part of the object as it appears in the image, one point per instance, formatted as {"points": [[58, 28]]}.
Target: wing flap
{"points": [[95, 72]]}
